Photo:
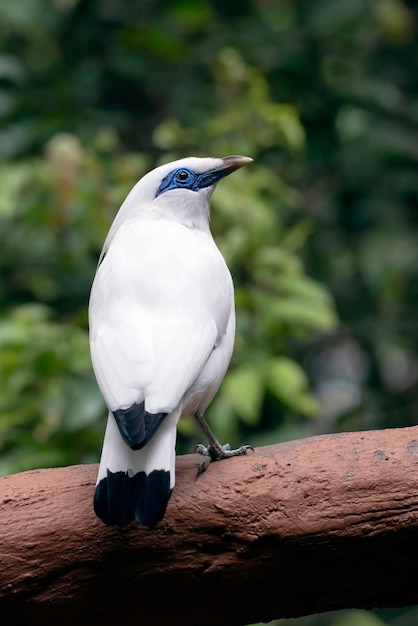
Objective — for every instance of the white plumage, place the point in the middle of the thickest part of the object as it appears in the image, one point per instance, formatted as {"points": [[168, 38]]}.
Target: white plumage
{"points": [[162, 325]]}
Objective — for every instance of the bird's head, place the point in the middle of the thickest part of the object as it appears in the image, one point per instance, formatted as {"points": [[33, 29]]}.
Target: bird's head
{"points": [[181, 190]]}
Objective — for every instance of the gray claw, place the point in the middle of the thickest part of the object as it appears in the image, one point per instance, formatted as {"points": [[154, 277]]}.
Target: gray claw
{"points": [[223, 452], [201, 449], [204, 464]]}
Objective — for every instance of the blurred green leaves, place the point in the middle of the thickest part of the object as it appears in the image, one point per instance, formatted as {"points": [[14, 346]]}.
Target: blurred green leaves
{"points": [[323, 96], [48, 391], [245, 386], [320, 95], [56, 210]]}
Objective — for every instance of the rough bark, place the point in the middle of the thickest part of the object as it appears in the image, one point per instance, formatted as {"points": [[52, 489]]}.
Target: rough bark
{"points": [[296, 528]]}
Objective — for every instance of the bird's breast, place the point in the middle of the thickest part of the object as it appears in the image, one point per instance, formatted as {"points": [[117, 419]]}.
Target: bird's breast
{"points": [[167, 266]]}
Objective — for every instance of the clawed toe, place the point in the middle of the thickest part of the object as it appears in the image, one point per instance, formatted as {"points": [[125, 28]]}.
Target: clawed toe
{"points": [[201, 449], [215, 451], [210, 454]]}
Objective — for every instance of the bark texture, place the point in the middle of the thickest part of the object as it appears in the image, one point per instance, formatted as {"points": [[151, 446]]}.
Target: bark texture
{"points": [[296, 528]]}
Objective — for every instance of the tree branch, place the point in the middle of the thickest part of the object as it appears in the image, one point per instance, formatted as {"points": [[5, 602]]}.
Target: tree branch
{"points": [[296, 528]]}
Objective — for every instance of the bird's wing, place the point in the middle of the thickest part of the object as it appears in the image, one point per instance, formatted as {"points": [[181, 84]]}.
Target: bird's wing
{"points": [[157, 309]]}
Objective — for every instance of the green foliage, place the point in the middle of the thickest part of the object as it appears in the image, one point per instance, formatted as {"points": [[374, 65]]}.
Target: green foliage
{"points": [[353, 617], [328, 119], [63, 205], [323, 96], [49, 405]]}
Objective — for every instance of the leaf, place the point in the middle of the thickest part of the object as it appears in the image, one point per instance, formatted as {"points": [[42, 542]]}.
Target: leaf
{"points": [[288, 382], [244, 389], [359, 618], [313, 316]]}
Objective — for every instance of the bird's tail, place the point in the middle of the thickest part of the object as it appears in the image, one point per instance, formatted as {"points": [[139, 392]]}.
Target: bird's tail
{"points": [[136, 484]]}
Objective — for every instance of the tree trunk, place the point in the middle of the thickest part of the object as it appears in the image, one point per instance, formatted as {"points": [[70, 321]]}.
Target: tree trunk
{"points": [[296, 528]]}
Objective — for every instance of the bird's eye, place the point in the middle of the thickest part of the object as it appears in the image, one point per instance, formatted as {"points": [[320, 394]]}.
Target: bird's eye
{"points": [[182, 176]]}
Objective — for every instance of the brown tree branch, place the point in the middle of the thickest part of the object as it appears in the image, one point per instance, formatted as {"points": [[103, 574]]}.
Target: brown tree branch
{"points": [[296, 528]]}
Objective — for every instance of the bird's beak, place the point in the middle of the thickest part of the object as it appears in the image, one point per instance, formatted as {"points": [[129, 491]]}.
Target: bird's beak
{"points": [[229, 164], [232, 163]]}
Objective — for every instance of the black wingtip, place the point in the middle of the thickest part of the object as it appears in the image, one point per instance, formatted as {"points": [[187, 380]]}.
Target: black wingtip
{"points": [[136, 425], [120, 499]]}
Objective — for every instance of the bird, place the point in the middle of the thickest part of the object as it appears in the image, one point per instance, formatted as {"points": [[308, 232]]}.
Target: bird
{"points": [[161, 332]]}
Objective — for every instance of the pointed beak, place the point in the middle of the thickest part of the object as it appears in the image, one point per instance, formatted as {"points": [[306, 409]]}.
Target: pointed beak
{"points": [[232, 163], [229, 165]]}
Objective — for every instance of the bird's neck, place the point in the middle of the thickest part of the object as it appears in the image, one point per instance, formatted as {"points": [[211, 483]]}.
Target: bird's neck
{"points": [[186, 213]]}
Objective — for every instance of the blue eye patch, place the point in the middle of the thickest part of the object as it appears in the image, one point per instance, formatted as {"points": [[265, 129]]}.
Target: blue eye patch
{"points": [[184, 178]]}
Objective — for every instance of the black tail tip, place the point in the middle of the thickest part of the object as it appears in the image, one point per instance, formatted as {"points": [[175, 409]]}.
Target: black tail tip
{"points": [[120, 499]]}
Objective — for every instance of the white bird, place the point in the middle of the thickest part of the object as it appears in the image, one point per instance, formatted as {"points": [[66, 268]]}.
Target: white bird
{"points": [[162, 327]]}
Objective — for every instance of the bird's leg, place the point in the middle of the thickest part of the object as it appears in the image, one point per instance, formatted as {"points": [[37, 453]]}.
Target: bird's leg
{"points": [[214, 451]]}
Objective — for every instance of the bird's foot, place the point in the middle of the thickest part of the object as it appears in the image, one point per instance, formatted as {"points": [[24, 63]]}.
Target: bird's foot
{"points": [[217, 453]]}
